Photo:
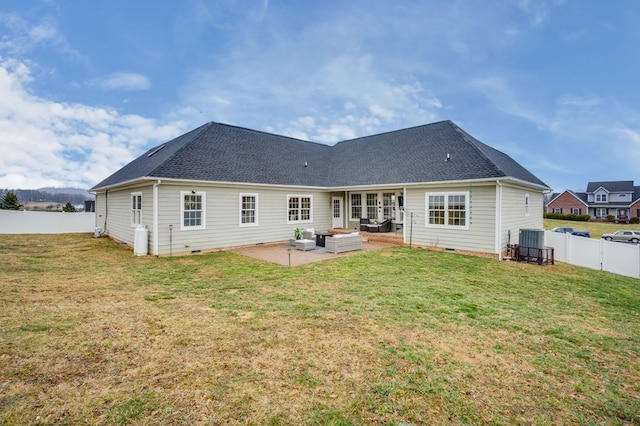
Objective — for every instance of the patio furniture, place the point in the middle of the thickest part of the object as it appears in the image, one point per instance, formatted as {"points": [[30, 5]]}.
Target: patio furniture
{"points": [[305, 244], [384, 226], [320, 238], [309, 233], [339, 243], [364, 223]]}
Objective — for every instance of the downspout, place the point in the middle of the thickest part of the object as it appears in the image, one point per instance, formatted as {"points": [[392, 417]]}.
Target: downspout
{"points": [[155, 218], [499, 219], [404, 216]]}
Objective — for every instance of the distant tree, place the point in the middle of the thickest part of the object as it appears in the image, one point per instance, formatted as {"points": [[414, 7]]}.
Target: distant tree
{"points": [[10, 202], [69, 208]]}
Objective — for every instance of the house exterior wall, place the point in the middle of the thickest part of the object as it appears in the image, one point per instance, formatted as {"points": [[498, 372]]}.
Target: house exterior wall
{"points": [[113, 212], [479, 236], [515, 215], [223, 228], [566, 202], [222, 216]]}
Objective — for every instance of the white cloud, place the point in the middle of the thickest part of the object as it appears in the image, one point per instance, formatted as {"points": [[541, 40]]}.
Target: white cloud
{"points": [[579, 101], [45, 142], [499, 91], [127, 81], [346, 94], [538, 11], [21, 36]]}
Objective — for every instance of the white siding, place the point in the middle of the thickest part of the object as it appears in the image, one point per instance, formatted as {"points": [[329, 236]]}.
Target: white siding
{"points": [[478, 237], [222, 217], [114, 209], [514, 216]]}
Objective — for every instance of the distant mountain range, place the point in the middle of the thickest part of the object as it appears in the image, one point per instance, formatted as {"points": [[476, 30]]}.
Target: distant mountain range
{"points": [[56, 195]]}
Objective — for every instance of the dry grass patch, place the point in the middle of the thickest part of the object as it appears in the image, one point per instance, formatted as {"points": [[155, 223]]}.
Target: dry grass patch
{"points": [[90, 333]]}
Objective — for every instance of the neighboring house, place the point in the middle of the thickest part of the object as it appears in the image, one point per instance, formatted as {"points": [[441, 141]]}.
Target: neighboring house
{"points": [[620, 199], [568, 202], [222, 186]]}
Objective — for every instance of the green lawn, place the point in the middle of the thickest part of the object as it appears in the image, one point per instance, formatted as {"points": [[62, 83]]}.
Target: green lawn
{"points": [[90, 334]]}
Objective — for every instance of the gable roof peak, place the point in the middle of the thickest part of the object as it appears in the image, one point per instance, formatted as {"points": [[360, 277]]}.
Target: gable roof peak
{"points": [[611, 186]]}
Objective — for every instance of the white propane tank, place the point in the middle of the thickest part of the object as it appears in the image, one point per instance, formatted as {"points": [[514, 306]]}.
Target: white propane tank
{"points": [[141, 241]]}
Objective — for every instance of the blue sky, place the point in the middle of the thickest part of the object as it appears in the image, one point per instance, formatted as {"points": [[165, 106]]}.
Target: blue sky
{"points": [[86, 86]]}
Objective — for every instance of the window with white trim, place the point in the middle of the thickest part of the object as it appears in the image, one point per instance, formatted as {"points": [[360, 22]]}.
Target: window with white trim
{"points": [[299, 208], [356, 206], [601, 198], [576, 211], [389, 205], [248, 209], [601, 212], [526, 204], [372, 205], [192, 210], [447, 209], [136, 208], [557, 210]]}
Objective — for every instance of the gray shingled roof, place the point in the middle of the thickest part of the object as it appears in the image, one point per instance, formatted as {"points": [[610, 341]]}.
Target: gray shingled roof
{"points": [[582, 196], [612, 186], [224, 153]]}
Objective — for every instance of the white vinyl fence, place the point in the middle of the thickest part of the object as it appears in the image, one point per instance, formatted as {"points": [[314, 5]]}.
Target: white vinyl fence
{"points": [[28, 222], [618, 258]]}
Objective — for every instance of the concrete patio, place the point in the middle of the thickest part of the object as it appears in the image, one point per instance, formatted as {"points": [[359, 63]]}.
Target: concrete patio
{"points": [[286, 255]]}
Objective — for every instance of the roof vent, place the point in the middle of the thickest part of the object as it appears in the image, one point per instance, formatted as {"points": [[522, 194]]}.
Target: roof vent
{"points": [[448, 157]]}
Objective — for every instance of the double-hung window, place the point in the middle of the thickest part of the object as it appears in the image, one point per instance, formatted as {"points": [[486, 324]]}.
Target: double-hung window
{"points": [[372, 205], [248, 209], [299, 208], [576, 211], [601, 198], [356, 206], [192, 210], [136, 208], [447, 210]]}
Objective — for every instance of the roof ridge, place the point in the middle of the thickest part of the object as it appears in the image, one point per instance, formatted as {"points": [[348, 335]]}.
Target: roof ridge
{"points": [[246, 129], [474, 143], [393, 131]]}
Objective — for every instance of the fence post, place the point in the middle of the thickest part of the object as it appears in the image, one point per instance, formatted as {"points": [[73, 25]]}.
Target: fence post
{"points": [[638, 247]]}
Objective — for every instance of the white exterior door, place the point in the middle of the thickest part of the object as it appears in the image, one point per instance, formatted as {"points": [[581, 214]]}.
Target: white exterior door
{"points": [[336, 212]]}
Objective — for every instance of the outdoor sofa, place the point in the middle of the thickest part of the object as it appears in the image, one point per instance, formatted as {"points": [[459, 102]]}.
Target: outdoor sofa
{"points": [[339, 243], [370, 225], [384, 226]]}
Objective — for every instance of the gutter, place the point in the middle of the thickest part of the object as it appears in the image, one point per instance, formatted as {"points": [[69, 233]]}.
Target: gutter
{"points": [[499, 219]]}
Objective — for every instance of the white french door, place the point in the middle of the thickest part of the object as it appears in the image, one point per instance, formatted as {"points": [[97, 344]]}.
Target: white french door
{"points": [[337, 212]]}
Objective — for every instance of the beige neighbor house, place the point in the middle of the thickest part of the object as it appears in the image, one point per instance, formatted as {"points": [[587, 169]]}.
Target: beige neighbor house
{"points": [[221, 186]]}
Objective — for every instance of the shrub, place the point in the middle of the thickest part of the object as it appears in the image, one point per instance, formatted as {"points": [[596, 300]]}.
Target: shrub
{"points": [[634, 220], [611, 218], [570, 216], [553, 216]]}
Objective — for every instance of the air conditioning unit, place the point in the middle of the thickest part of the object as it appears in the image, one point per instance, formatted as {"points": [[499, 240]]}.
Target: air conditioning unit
{"points": [[532, 238]]}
